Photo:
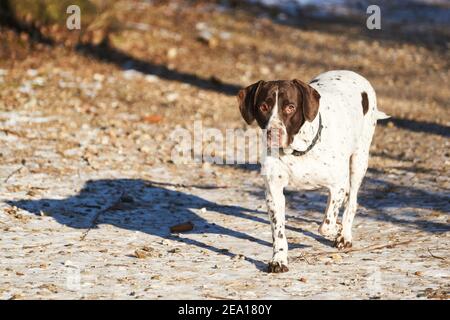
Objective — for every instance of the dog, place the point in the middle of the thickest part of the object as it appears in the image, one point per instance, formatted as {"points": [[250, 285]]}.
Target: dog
{"points": [[323, 131]]}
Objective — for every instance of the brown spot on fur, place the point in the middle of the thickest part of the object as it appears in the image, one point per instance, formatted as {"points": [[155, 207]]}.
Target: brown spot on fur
{"points": [[365, 102], [276, 267], [327, 221]]}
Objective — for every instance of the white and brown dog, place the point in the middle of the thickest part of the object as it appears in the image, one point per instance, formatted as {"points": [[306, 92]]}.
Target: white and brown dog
{"points": [[323, 130]]}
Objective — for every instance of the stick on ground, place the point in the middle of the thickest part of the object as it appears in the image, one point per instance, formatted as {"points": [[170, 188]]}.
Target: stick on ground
{"points": [[13, 173], [434, 256], [368, 248], [97, 215]]}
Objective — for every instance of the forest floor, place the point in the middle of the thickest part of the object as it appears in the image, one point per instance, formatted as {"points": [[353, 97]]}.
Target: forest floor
{"points": [[89, 189]]}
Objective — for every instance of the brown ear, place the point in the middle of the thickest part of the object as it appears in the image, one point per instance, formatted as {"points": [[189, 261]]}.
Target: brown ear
{"points": [[247, 99], [310, 98]]}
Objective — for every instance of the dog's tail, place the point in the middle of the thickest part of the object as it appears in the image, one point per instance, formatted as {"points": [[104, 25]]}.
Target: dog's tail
{"points": [[371, 99], [380, 115]]}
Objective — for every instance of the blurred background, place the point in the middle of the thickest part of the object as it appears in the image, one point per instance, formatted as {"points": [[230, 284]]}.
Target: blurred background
{"points": [[167, 63]]}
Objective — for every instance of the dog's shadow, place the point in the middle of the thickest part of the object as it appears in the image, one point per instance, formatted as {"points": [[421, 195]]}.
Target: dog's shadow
{"points": [[149, 207]]}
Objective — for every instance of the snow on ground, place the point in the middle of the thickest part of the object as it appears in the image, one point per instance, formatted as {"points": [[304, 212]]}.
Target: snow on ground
{"points": [[405, 11]]}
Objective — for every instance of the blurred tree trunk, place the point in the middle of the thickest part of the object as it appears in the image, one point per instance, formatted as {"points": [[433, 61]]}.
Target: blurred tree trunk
{"points": [[7, 17], [44, 21]]}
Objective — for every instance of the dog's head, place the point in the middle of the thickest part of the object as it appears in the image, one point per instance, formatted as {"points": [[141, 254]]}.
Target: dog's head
{"points": [[280, 107]]}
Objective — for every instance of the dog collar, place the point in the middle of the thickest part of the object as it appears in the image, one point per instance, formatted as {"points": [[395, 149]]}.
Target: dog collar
{"points": [[313, 142]]}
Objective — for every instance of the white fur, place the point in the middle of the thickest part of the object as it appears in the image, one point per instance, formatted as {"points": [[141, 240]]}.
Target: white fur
{"points": [[275, 123], [337, 162]]}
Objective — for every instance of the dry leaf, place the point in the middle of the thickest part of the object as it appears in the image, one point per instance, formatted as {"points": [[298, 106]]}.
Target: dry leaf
{"points": [[50, 287], [154, 118], [140, 254], [182, 227], [145, 252], [336, 257]]}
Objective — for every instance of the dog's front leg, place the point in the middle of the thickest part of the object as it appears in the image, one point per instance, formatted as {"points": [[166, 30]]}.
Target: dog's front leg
{"points": [[275, 183]]}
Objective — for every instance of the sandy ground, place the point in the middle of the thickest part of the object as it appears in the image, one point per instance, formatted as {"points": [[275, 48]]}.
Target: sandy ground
{"points": [[89, 191]]}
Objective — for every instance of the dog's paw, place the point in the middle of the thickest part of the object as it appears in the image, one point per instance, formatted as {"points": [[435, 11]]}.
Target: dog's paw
{"points": [[329, 230], [341, 243], [277, 267]]}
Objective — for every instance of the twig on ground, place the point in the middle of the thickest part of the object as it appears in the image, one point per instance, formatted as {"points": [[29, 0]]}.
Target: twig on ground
{"points": [[94, 221], [303, 256], [183, 185], [24, 136], [13, 173], [15, 133], [36, 245], [368, 248], [216, 297], [434, 256]]}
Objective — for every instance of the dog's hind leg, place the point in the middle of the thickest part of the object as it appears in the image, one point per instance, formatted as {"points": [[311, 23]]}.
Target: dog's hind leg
{"points": [[358, 168], [336, 196]]}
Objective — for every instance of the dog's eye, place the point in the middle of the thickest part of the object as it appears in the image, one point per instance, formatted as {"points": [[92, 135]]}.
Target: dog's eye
{"points": [[264, 107], [290, 108]]}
